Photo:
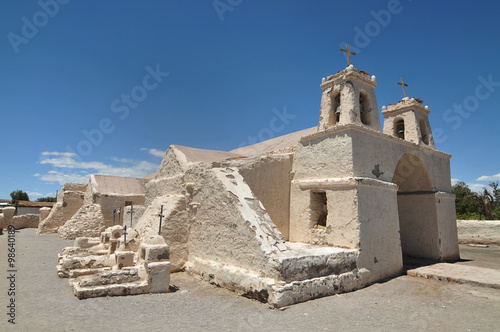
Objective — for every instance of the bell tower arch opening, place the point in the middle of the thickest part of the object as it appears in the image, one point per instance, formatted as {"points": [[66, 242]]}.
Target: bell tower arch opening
{"points": [[423, 131], [417, 210], [334, 117], [364, 109]]}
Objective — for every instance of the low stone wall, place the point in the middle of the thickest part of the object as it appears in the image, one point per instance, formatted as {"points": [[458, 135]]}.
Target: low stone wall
{"points": [[25, 221], [479, 231]]}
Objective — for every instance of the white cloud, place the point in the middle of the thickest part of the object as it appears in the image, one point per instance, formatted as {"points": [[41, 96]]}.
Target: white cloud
{"points": [[37, 194], [495, 177], [454, 181], [154, 152], [123, 160], [477, 187], [63, 160], [62, 178], [65, 154]]}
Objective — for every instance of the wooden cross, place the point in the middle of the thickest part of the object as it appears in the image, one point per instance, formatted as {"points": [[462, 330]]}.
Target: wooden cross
{"points": [[348, 53], [125, 235], [403, 85], [131, 212], [161, 217]]}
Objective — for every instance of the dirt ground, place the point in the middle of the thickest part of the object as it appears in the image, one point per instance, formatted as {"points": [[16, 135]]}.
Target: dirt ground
{"points": [[45, 302]]}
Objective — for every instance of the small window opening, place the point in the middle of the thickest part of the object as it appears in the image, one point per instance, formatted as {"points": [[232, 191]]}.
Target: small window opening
{"points": [[399, 128], [364, 109], [423, 131], [319, 210], [128, 203]]}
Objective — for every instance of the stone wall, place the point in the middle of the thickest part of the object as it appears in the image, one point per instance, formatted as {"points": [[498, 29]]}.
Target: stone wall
{"points": [[88, 221], [25, 221]]}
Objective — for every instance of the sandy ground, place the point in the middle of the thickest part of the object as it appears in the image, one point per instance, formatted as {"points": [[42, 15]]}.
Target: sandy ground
{"points": [[45, 302]]}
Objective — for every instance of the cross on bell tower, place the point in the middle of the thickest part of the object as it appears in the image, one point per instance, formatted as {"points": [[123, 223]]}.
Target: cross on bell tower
{"points": [[349, 98], [349, 53], [403, 84]]}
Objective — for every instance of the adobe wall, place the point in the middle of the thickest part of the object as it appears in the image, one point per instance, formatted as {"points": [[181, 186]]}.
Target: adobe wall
{"points": [[227, 223], [353, 167], [174, 227], [447, 226], [324, 156], [269, 178], [69, 200], [479, 231], [54, 220], [376, 155], [170, 176], [138, 212], [110, 202], [419, 232], [379, 236], [342, 221]]}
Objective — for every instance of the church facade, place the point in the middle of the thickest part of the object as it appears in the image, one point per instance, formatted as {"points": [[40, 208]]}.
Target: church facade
{"points": [[316, 212], [313, 213]]}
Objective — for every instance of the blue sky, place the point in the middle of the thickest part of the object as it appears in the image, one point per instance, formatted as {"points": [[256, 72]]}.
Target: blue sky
{"points": [[106, 86]]}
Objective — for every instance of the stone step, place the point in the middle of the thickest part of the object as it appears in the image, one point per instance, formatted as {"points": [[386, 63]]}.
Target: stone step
{"points": [[462, 274], [306, 261]]}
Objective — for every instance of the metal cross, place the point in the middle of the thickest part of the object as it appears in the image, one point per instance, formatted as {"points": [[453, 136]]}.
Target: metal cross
{"points": [[403, 85], [131, 212], [348, 53], [161, 216], [114, 213]]}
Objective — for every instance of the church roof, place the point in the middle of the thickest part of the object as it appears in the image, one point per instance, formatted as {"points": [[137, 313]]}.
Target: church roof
{"points": [[201, 155], [277, 144], [117, 185]]}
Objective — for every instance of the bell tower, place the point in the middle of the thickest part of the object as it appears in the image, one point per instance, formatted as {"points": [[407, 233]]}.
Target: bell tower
{"points": [[349, 98], [409, 120]]}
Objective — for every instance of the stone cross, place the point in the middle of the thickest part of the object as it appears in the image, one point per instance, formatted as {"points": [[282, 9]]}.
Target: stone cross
{"points": [[403, 85], [348, 53], [161, 217]]}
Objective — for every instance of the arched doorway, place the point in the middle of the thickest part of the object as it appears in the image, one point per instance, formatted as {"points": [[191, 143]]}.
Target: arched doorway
{"points": [[417, 209]]}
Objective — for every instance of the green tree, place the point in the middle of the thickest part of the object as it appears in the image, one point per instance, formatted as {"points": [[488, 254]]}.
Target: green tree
{"points": [[47, 199], [466, 201], [19, 195], [495, 193]]}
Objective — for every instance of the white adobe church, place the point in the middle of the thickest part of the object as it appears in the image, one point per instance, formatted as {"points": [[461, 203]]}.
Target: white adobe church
{"points": [[313, 213]]}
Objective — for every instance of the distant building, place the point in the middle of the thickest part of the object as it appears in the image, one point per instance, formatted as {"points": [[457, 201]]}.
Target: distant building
{"points": [[4, 203], [28, 207]]}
